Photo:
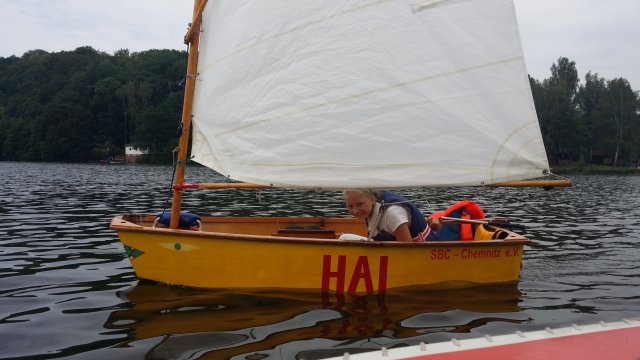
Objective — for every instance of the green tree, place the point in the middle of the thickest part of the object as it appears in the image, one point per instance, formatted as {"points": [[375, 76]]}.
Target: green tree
{"points": [[624, 119], [593, 103], [561, 127]]}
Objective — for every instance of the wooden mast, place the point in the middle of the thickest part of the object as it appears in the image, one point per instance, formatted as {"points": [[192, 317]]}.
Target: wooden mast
{"points": [[192, 39]]}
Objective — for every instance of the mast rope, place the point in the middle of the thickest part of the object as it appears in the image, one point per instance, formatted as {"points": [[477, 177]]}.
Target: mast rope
{"points": [[173, 175], [425, 198]]}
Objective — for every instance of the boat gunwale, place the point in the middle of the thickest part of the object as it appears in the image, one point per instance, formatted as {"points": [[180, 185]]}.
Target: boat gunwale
{"points": [[118, 223]]}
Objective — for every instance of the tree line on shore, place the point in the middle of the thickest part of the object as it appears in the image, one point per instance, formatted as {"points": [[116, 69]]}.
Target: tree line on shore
{"points": [[85, 105], [592, 123]]}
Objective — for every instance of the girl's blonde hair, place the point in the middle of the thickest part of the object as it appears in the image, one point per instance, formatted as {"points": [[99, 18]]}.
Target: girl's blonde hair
{"points": [[372, 194]]}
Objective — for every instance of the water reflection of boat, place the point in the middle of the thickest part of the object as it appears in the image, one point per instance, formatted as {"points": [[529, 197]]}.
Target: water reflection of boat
{"points": [[222, 324]]}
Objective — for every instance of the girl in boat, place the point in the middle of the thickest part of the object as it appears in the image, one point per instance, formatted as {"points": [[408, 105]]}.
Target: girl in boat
{"points": [[390, 216]]}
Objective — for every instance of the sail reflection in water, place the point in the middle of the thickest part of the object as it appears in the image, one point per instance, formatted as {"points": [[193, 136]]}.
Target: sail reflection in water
{"points": [[190, 323]]}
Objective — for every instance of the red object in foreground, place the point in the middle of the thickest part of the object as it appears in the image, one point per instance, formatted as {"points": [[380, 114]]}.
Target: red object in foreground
{"points": [[620, 340]]}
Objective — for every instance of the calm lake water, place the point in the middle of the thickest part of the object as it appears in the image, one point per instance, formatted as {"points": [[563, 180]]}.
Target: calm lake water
{"points": [[68, 290]]}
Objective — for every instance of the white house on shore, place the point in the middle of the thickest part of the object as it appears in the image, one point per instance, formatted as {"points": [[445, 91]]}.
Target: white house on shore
{"points": [[132, 154]]}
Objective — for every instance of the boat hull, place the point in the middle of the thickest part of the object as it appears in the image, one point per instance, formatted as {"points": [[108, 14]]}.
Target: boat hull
{"points": [[294, 253]]}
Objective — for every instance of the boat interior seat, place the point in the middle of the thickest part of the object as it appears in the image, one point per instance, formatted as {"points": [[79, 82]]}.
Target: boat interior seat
{"points": [[307, 232]]}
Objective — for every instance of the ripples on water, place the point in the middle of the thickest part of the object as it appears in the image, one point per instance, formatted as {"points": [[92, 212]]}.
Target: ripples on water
{"points": [[67, 290]]}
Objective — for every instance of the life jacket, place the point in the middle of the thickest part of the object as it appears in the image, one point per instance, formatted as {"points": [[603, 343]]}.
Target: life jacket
{"points": [[418, 227], [485, 232], [465, 209], [187, 219]]}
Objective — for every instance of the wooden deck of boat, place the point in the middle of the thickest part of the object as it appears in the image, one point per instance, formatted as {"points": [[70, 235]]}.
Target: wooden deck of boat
{"points": [[285, 228], [618, 340]]}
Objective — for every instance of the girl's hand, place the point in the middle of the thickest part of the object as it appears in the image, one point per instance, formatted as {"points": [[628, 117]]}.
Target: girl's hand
{"points": [[434, 224]]}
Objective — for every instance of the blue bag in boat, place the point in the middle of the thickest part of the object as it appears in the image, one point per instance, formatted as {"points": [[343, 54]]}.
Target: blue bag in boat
{"points": [[450, 232], [187, 219]]}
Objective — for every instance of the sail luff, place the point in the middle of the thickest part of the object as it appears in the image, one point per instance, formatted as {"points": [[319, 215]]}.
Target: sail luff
{"points": [[190, 81]]}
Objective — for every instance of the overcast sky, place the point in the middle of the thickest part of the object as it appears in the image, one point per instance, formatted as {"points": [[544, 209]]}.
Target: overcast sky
{"points": [[601, 36]]}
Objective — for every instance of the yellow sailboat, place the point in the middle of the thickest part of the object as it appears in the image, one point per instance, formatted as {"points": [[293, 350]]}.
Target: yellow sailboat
{"points": [[345, 95]]}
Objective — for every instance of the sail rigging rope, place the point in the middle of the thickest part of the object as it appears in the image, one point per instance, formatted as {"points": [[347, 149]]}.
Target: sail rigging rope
{"points": [[173, 175]]}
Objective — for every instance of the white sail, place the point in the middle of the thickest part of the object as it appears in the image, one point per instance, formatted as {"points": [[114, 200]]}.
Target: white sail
{"points": [[352, 94]]}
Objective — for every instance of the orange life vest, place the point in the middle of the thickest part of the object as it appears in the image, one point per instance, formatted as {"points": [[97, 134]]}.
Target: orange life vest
{"points": [[465, 209]]}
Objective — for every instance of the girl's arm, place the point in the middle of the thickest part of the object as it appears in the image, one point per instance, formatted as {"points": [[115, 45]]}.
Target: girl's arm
{"points": [[402, 233]]}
